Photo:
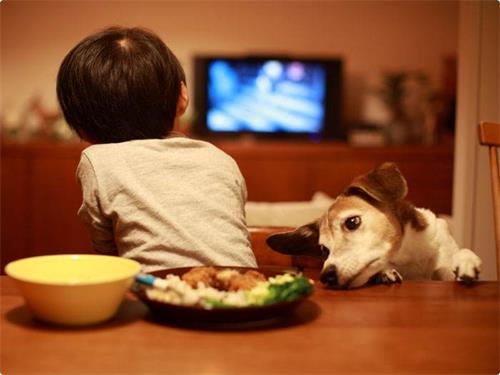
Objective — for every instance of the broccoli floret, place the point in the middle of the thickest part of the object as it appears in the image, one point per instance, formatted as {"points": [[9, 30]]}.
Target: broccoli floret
{"points": [[214, 303], [289, 291]]}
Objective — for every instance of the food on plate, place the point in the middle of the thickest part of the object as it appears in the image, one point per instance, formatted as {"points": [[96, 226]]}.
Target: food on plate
{"points": [[227, 279], [204, 275], [209, 287]]}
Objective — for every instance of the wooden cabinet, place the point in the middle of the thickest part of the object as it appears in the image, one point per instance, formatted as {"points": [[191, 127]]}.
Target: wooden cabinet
{"points": [[295, 171], [40, 195]]}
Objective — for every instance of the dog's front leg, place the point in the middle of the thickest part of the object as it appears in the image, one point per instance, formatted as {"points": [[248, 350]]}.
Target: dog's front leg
{"points": [[466, 266], [389, 276]]}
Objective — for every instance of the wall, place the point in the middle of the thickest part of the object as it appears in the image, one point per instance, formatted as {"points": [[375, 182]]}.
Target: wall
{"points": [[478, 100], [371, 36]]}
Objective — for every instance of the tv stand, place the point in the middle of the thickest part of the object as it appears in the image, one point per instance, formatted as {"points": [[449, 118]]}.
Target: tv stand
{"points": [[40, 194]]}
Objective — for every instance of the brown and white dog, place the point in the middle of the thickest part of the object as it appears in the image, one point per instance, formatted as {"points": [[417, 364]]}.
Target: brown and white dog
{"points": [[370, 233]]}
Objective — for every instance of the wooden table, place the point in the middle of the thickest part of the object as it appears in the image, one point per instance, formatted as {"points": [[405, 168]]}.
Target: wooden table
{"points": [[427, 327]]}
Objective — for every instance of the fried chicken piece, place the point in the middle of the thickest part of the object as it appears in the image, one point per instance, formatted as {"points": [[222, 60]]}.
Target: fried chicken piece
{"points": [[245, 281], [226, 279], [206, 275], [222, 279]]}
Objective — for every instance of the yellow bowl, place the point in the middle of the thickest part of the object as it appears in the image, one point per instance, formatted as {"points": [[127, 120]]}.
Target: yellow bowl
{"points": [[73, 289]]}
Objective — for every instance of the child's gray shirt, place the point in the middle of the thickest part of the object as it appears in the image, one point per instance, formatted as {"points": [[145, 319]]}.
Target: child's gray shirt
{"points": [[166, 203]]}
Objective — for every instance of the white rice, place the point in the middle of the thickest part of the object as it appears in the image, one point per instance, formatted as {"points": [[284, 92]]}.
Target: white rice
{"points": [[175, 290]]}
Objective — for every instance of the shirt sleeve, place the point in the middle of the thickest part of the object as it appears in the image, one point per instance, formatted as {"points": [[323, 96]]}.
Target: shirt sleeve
{"points": [[244, 192], [90, 212], [240, 181]]}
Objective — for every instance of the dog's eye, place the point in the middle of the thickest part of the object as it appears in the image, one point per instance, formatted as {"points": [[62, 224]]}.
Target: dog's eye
{"points": [[352, 223]]}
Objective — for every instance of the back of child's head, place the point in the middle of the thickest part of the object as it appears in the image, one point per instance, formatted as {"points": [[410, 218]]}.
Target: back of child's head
{"points": [[120, 84]]}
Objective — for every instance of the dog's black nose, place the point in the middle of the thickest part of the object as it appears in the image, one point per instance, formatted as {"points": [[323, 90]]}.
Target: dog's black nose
{"points": [[329, 276]]}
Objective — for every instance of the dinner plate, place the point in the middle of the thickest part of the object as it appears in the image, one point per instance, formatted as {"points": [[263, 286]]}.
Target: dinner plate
{"points": [[181, 313]]}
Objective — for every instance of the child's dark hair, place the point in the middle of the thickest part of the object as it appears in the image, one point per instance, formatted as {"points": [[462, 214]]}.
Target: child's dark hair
{"points": [[120, 84]]}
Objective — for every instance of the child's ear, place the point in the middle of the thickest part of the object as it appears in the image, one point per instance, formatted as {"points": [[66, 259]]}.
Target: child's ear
{"points": [[182, 101], [84, 137]]}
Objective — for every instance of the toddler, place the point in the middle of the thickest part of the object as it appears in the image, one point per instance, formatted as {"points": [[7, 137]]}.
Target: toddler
{"points": [[149, 193]]}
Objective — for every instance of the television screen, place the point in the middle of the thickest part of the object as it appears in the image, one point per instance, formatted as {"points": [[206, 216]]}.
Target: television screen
{"points": [[267, 95]]}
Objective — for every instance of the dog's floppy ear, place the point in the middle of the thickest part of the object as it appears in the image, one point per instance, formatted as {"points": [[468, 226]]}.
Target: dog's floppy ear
{"points": [[384, 184], [301, 241]]}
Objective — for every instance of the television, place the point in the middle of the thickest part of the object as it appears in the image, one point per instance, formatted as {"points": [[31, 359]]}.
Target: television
{"points": [[268, 96]]}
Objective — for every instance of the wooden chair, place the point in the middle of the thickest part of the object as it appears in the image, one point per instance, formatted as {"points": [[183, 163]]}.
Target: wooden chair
{"points": [[489, 135]]}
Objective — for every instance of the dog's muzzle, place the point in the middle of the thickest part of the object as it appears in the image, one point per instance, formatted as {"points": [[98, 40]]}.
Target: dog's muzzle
{"points": [[336, 278]]}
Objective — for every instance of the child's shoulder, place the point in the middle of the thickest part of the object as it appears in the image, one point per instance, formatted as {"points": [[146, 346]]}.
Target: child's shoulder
{"points": [[98, 149]]}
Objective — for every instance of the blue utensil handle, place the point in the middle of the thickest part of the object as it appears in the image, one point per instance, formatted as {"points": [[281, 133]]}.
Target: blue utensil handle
{"points": [[145, 279]]}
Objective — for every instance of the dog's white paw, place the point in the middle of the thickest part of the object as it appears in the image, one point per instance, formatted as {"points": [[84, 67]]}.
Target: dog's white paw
{"points": [[389, 276], [466, 266]]}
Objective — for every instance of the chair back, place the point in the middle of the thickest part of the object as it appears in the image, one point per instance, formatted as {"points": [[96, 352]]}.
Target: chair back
{"points": [[489, 135]]}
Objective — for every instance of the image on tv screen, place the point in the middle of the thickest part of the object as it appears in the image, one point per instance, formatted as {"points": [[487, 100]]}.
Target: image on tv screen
{"points": [[266, 96]]}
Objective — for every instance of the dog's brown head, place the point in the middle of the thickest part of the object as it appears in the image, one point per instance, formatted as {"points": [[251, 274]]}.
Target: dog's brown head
{"points": [[360, 232]]}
